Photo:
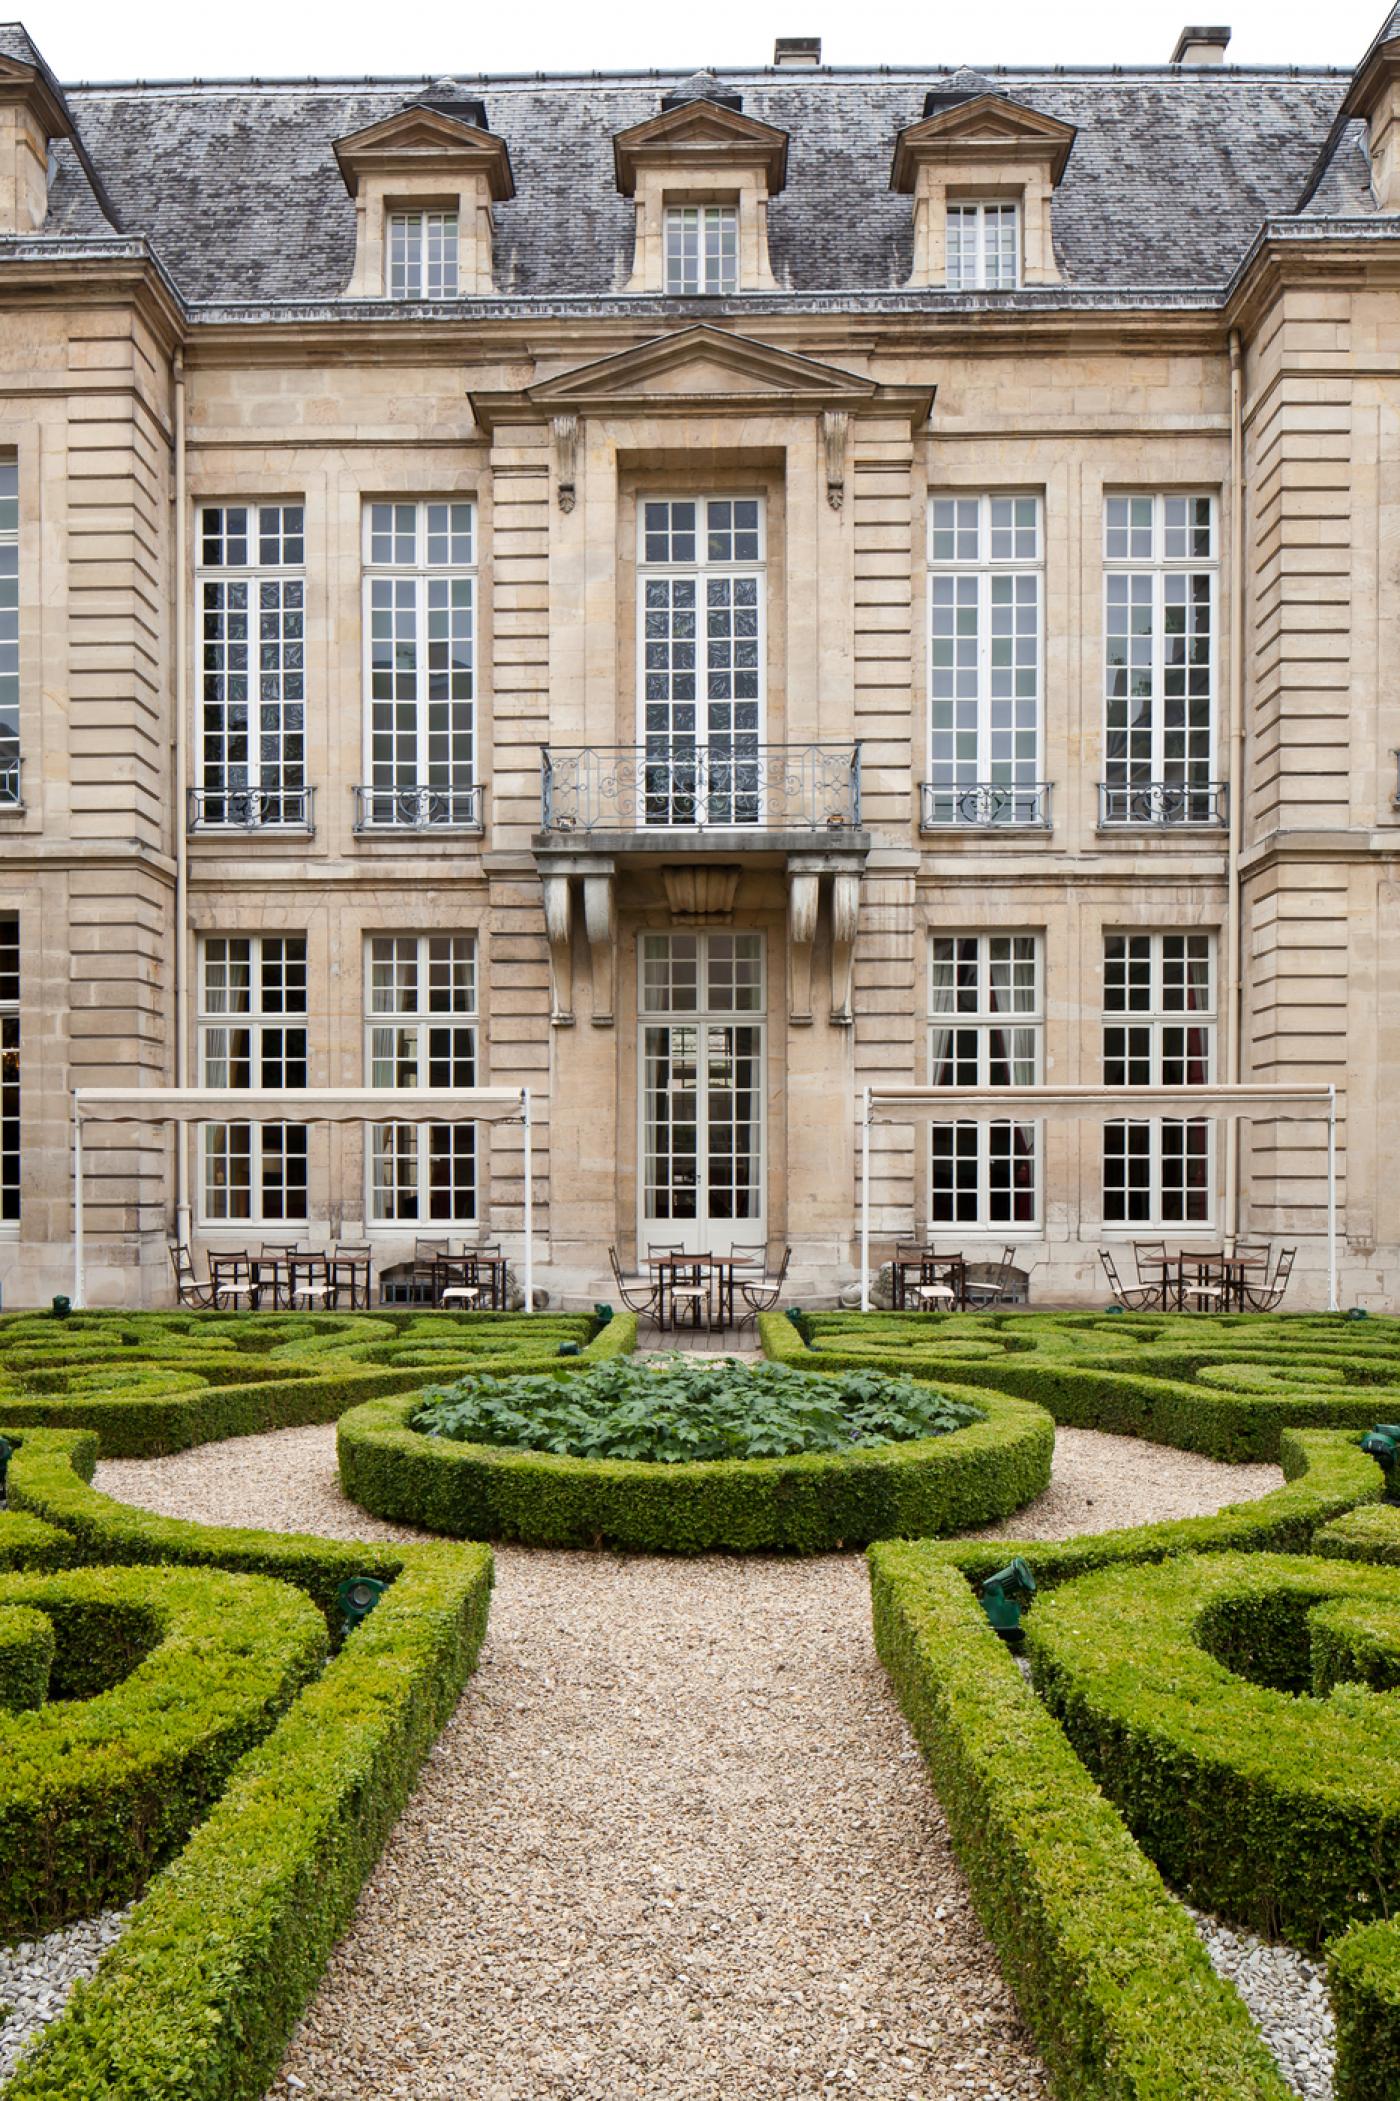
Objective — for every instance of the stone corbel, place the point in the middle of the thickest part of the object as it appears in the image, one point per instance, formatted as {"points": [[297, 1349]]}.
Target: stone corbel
{"points": [[845, 917], [835, 424], [600, 924], [804, 896], [559, 931], [565, 429]]}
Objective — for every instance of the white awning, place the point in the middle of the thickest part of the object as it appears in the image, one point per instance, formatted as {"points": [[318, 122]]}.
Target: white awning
{"points": [[1254, 1100], [295, 1104]]}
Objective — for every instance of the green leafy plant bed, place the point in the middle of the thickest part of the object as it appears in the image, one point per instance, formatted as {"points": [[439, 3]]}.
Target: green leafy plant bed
{"points": [[679, 1408], [814, 1464]]}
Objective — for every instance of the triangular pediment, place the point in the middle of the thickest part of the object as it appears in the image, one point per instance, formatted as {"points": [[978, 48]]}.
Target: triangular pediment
{"points": [[419, 135], [982, 125], [701, 129], [699, 370]]}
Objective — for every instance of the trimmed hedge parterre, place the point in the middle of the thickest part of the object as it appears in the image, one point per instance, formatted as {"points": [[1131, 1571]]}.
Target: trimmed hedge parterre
{"points": [[27, 1643], [1226, 1386], [197, 1999]]}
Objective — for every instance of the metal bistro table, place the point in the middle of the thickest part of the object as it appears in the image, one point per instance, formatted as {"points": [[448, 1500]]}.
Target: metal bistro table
{"points": [[719, 1282], [488, 1272], [949, 1269]]}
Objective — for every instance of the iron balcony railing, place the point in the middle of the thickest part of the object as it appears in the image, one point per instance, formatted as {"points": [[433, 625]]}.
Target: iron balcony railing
{"points": [[1162, 803], [635, 787], [418, 809], [1000, 805], [11, 797], [252, 809]]}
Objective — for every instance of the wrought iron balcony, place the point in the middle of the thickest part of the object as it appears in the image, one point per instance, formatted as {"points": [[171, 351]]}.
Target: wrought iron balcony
{"points": [[252, 809], [1163, 804], [11, 797], [634, 787], [418, 809], [995, 805]]}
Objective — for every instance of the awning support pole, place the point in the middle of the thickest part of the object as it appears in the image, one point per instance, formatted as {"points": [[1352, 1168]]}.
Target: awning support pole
{"points": [[78, 1278], [529, 1205], [865, 1204], [1333, 1297]]}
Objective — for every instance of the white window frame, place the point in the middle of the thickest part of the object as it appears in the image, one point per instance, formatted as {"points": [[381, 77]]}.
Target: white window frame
{"points": [[11, 1077], [1157, 1019], [717, 267], [1162, 558], [981, 211], [263, 1143], [448, 800], [1005, 949], [276, 529], [979, 576], [10, 787], [418, 1141], [729, 792], [417, 273]]}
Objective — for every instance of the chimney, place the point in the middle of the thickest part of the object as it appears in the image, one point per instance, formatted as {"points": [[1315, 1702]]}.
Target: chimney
{"points": [[1201, 47], [797, 51]]}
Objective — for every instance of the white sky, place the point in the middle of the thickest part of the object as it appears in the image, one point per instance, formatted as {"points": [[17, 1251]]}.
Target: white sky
{"points": [[93, 40]]}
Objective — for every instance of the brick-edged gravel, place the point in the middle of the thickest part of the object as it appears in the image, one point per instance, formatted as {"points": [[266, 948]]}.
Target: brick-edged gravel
{"points": [[676, 1841]]}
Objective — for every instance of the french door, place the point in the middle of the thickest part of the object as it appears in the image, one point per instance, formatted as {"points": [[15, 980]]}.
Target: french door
{"points": [[700, 575], [701, 1068]]}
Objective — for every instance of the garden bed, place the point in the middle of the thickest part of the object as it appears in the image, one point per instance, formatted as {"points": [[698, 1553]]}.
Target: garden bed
{"points": [[801, 1501]]}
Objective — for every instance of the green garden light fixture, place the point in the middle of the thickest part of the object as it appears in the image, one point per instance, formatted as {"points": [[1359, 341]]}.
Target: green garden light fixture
{"points": [[604, 1313], [1382, 1443], [6, 1454], [1005, 1594], [569, 1349], [62, 1306], [357, 1598]]}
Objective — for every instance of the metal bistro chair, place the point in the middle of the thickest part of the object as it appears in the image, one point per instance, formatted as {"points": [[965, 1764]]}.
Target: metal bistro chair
{"points": [[990, 1291], [1154, 1269], [351, 1271], [933, 1290], [465, 1295], [188, 1289], [1210, 1295], [1134, 1298], [231, 1278], [696, 1292], [638, 1294], [309, 1278], [1263, 1298], [763, 1296]]}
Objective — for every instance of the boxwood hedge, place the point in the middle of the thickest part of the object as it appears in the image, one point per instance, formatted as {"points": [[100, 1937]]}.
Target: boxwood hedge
{"points": [[1225, 1386], [98, 1786], [197, 1999], [153, 1383], [26, 1657], [1190, 1690], [1107, 1968], [805, 1504]]}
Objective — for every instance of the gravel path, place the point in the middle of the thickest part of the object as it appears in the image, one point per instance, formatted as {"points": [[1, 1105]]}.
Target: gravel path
{"points": [[676, 1843], [37, 1976]]}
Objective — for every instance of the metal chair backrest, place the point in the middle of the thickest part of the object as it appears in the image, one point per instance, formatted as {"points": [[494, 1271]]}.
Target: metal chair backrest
{"points": [[783, 1265], [749, 1254], [1150, 1257], [616, 1267], [181, 1264], [428, 1249], [1110, 1271], [1284, 1270]]}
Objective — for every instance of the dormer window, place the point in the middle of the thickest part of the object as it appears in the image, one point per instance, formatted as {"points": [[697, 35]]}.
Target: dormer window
{"points": [[700, 174], [982, 171], [702, 248], [984, 247], [422, 255], [424, 183]]}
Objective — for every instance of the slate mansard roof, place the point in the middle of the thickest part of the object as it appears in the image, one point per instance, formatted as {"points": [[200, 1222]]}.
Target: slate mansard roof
{"points": [[1173, 171]]}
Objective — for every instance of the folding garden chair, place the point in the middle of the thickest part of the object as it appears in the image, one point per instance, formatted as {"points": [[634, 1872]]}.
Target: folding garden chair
{"points": [[1263, 1298], [763, 1296], [990, 1291], [188, 1289], [638, 1294], [1134, 1298]]}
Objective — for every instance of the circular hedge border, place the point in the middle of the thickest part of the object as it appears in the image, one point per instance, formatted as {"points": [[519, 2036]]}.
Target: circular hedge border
{"points": [[808, 1503]]}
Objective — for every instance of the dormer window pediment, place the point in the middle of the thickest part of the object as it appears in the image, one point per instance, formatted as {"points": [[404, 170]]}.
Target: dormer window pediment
{"points": [[981, 150], [424, 181], [701, 174]]}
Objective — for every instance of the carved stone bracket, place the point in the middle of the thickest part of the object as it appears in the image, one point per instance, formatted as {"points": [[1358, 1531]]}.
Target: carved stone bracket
{"points": [[806, 876], [600, 924], [835, 425], [565, 429], [804, 898], [559, 931]]}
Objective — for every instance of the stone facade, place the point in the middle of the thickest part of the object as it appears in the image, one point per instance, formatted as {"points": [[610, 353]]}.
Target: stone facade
{"points": [[136, 394]]}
